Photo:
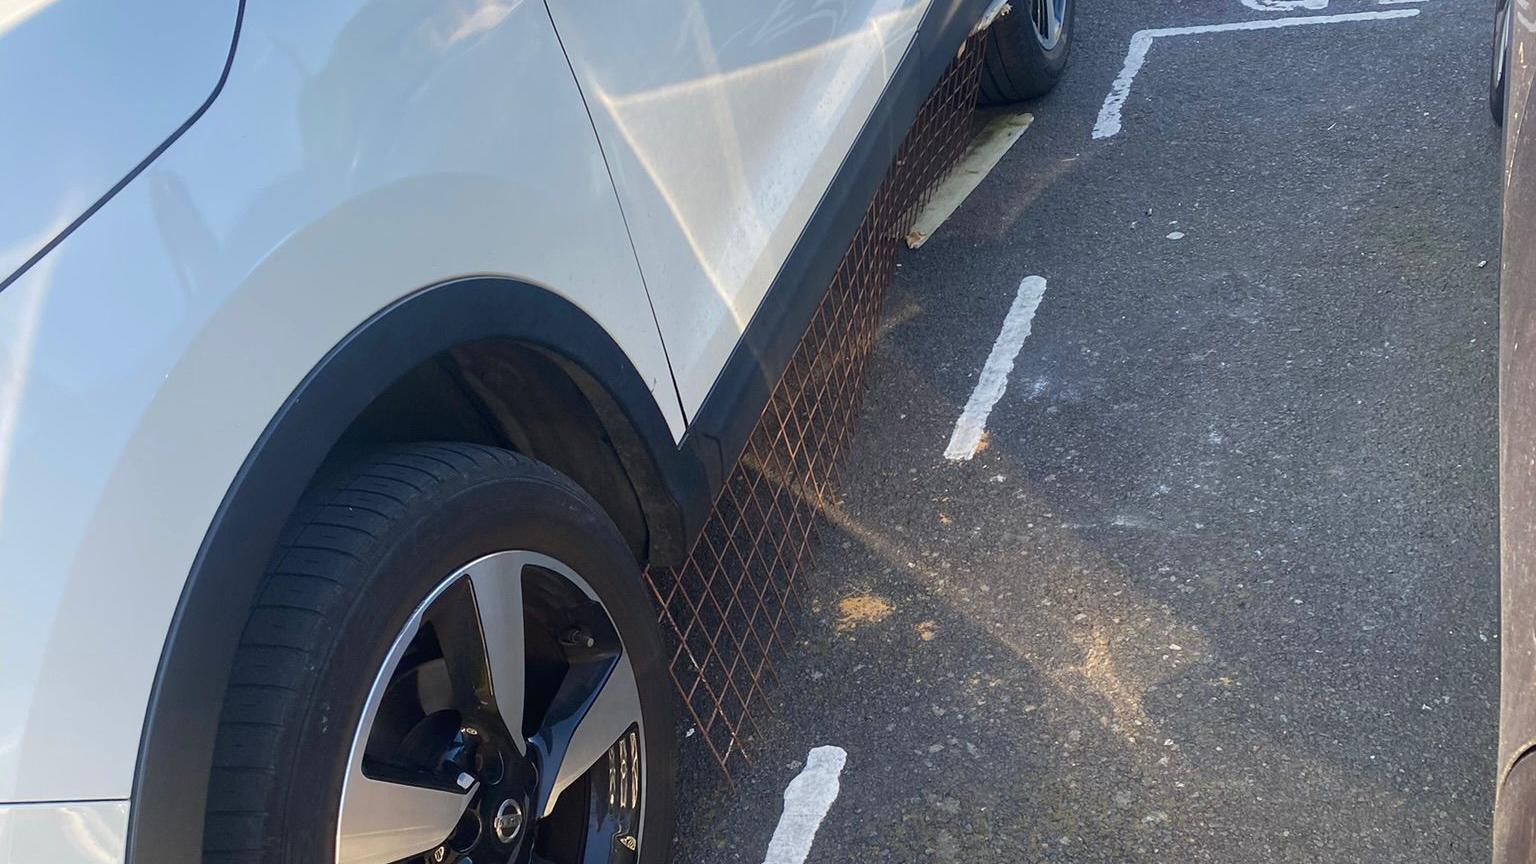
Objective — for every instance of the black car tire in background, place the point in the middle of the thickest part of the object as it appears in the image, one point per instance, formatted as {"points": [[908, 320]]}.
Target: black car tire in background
{"points": [[1498, 73], [1027, 48], [410, 542]]}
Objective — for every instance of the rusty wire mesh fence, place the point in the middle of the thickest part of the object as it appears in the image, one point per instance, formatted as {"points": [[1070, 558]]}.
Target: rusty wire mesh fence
{"points": [[732, 607]]}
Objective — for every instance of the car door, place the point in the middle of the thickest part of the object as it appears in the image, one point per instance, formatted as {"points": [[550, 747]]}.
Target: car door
{"points": [[724, 123]]}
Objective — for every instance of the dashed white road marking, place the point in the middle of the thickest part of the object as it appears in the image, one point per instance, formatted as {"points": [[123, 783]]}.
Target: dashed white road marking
{"points": [[1313, 5], [1109, 115], [994, 375], [807, 799], [1285, 5]]}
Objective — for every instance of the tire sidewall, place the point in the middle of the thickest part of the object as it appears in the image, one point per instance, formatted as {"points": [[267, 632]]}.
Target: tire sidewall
{"points": [[468, 519], [1017, 67], [1053, 60]]}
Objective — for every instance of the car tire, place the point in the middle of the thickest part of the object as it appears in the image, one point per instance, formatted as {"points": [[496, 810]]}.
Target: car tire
{"points": [[1026, 52], [1498, 75], [384, 563]]}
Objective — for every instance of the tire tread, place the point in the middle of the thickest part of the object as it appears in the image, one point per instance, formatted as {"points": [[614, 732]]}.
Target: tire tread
{"points": [[1015, 67], [317, 567]]}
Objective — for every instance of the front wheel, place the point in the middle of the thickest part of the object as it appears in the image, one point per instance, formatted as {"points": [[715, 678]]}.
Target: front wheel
{"points": [[453, 659], [1027, 50]]}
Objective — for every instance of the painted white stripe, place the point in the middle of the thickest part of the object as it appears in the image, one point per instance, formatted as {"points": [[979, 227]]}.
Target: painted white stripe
{"points": [[1398, 2], [1285, 5], [994, 375], [807, 799], [1109, 115]]}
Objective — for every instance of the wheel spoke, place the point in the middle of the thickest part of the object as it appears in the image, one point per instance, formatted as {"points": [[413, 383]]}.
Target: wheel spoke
{"points": [[478, 621], [1047, 16], [498, 585], [383, 822], [431, 758], [574, 744]]}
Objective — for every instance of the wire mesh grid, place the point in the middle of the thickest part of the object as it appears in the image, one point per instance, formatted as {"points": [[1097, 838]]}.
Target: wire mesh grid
{"points": [[732, 607]]}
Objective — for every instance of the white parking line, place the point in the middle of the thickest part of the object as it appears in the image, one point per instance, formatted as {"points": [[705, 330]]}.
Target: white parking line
{"points": [[994, 375], [1109, 115], [807, 799], [1285, 5]]}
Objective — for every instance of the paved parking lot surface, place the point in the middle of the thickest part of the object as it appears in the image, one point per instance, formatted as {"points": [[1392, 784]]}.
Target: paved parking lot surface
{"points": [[1220, 583]]}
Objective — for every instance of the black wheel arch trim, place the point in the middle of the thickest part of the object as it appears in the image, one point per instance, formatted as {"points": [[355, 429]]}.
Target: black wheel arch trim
{"points": [[176, 747]]}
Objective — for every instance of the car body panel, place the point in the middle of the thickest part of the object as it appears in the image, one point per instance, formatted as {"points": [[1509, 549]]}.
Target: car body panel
{"points": [[143, 357], [1517, 446], [82, 832], [89, 90], [724, 123]]}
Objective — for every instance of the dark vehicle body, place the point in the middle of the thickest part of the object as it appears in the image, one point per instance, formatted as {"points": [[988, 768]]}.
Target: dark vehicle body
{"points": [[1515, 805]]}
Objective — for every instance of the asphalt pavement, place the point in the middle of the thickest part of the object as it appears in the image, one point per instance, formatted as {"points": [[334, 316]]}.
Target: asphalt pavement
{"points": [[1221, 584]]}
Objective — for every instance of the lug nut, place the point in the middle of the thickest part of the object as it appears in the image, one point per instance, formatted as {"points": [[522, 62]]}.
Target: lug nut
{"points": [[578, 637], [489, 766]]}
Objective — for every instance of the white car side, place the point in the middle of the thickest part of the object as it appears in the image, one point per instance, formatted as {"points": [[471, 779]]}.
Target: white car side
{"points": [[258, 261]]}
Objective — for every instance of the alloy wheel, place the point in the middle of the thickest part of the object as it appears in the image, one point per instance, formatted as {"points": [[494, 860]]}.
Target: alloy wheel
{"points": [[1049, 19], [503, 726]]}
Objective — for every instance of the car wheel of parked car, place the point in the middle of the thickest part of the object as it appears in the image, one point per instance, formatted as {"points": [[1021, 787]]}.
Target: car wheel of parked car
{"points": [[453, 658], [1027, 49], [1503, 12]]}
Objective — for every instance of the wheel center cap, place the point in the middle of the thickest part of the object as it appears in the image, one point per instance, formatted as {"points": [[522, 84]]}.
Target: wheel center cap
{"points": [[508, 821]]}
